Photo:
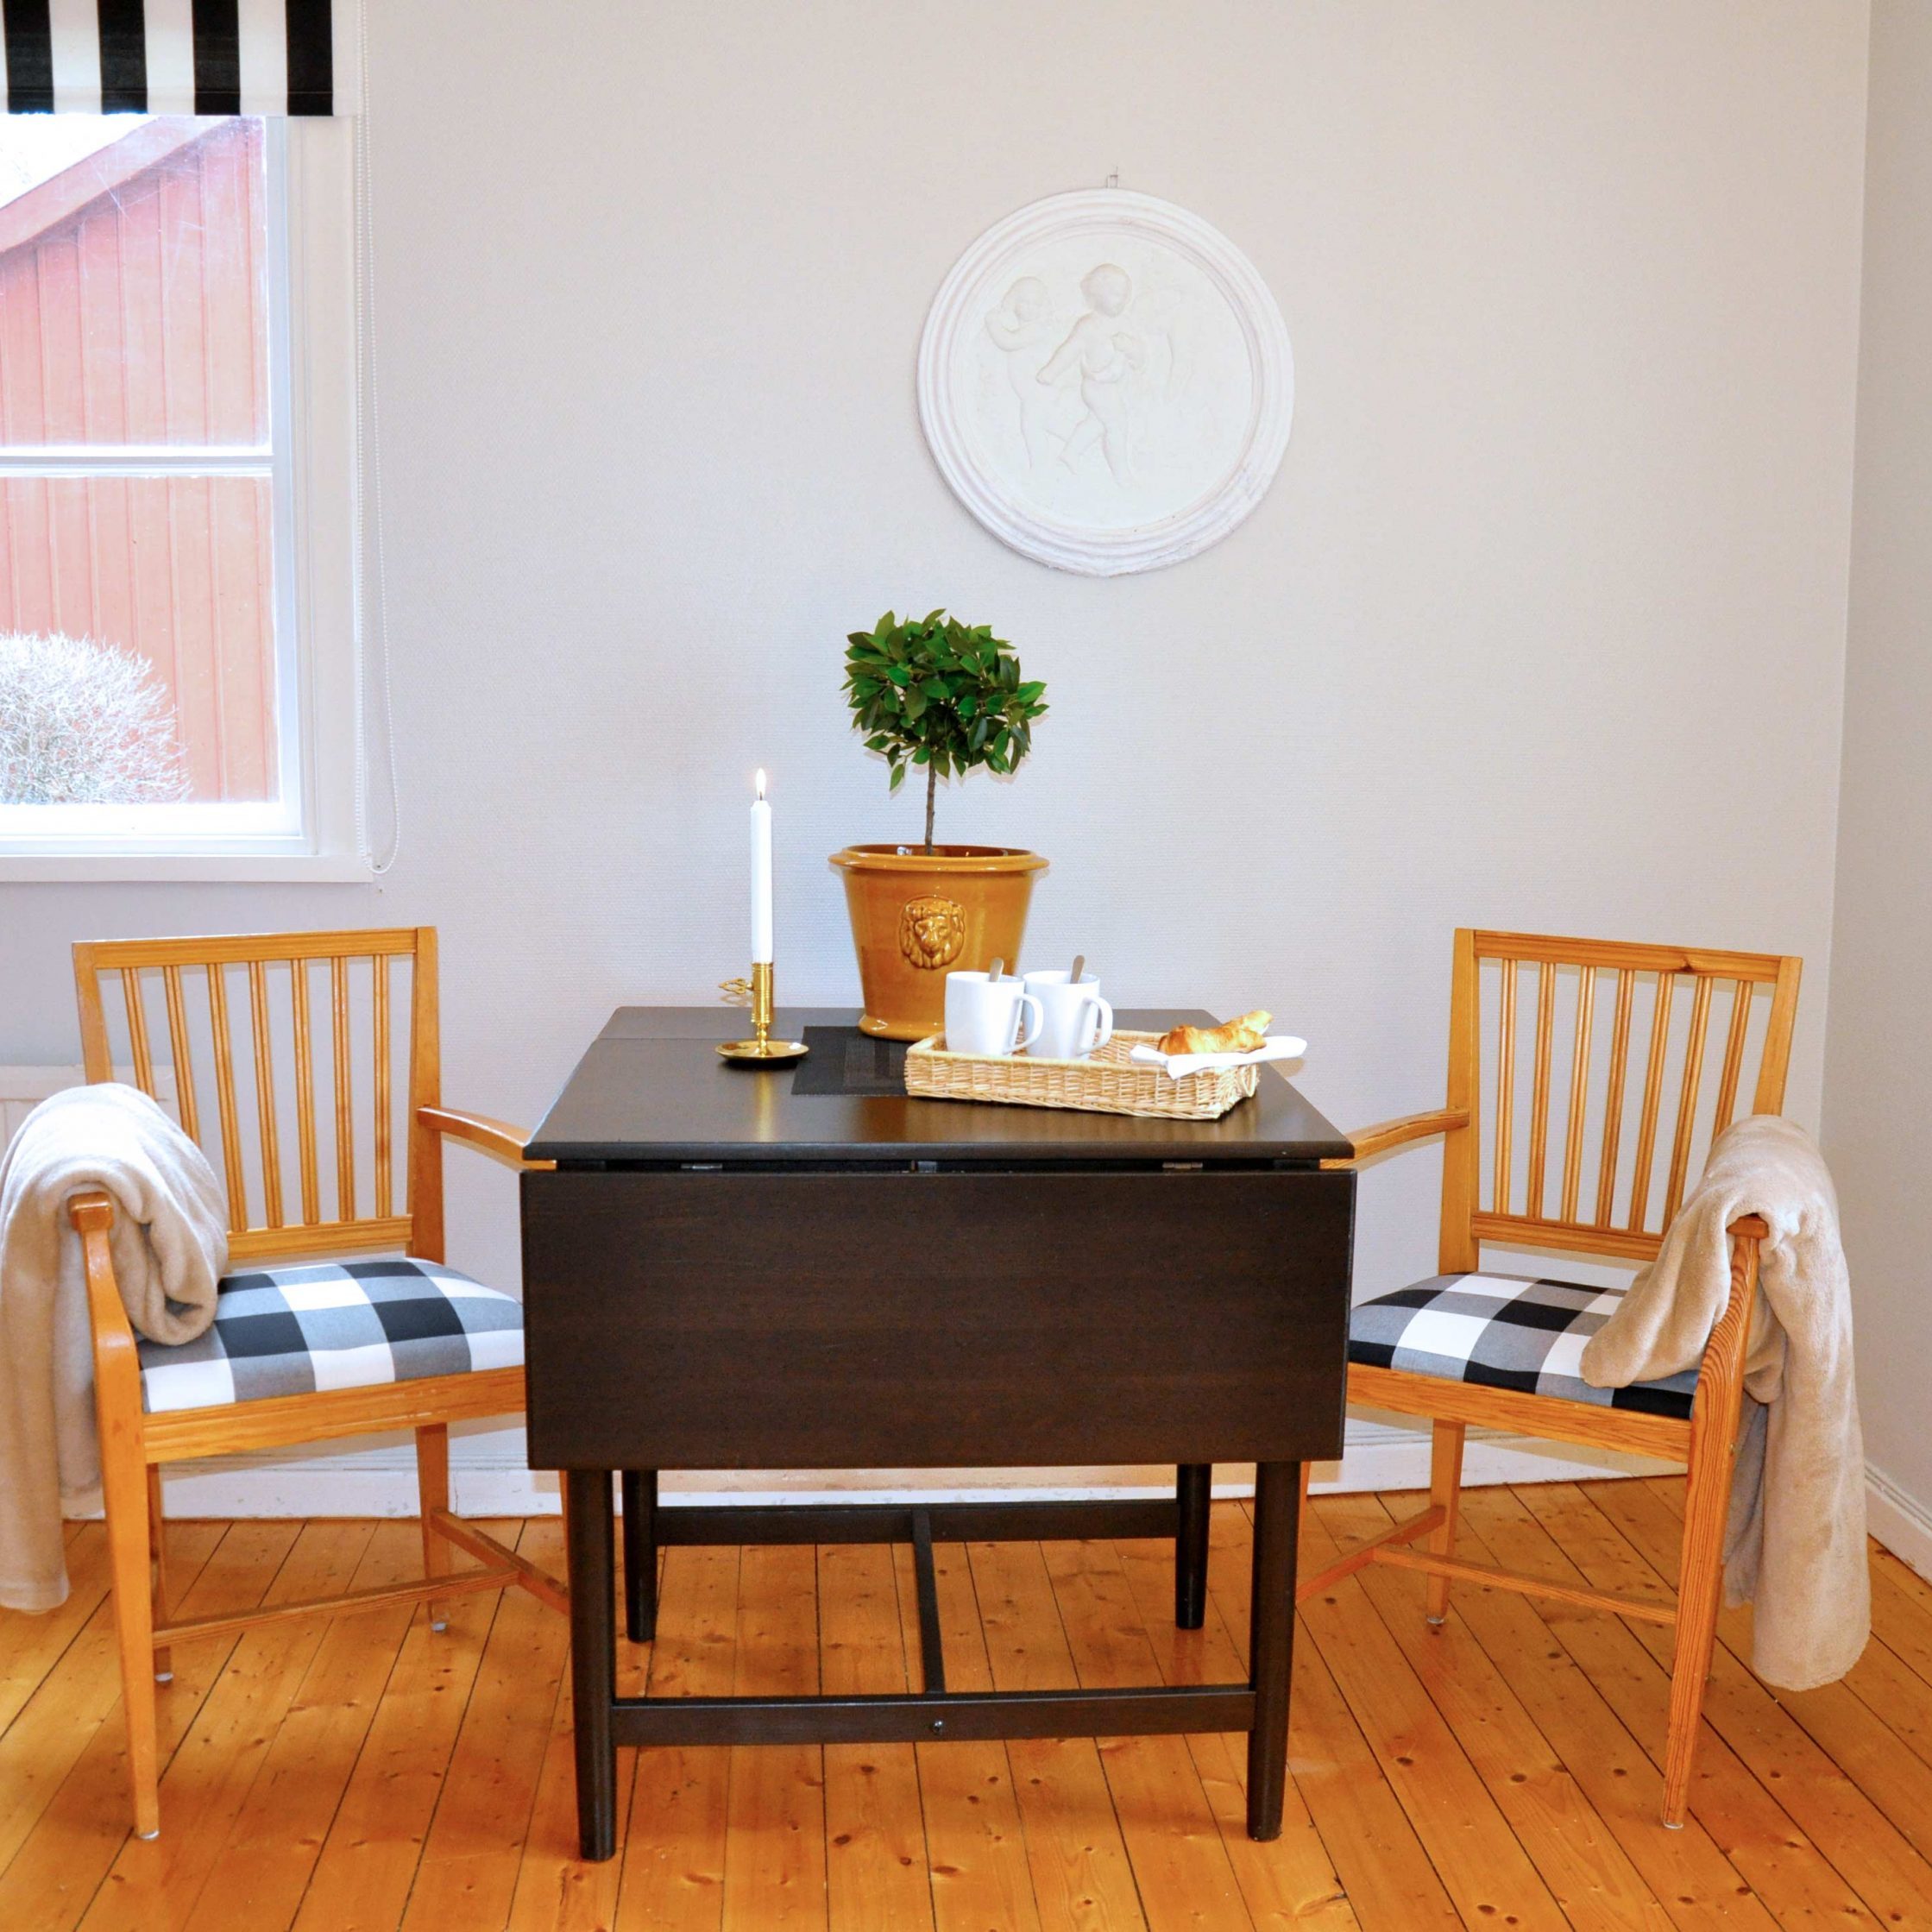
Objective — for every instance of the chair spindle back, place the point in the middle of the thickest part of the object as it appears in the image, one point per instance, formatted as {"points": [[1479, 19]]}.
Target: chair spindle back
{"points": [[1583, 1066], [322, 1023]]}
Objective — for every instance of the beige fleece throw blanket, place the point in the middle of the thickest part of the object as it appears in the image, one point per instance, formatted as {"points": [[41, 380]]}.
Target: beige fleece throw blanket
{"points": [[170, 1248], [1795, 1540]]}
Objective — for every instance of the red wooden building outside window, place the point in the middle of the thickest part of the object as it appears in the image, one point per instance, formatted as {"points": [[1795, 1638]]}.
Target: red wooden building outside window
{"points": [[140, 448]]}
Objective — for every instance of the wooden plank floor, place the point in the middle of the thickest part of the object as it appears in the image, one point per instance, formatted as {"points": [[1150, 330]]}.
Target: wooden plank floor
{"points": [[364, 1773]]}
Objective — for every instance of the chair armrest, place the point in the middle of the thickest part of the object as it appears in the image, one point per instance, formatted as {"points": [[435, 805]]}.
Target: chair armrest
{"points": [[92, 1215], [1387, 1133], [1721, 1375], [496, 1138]]}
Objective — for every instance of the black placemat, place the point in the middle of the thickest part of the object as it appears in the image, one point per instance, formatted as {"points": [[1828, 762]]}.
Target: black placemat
{"points": [[845, 1061]]}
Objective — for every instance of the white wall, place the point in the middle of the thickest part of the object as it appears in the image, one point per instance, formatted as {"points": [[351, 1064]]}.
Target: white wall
{"points": [[1542, 625], [1877, 1122]]}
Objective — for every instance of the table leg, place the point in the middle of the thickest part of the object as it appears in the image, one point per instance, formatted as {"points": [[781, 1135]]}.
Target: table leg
{"points": [[1193, 1489], [589, 1547], [1271, 1638], [640, 1554]]}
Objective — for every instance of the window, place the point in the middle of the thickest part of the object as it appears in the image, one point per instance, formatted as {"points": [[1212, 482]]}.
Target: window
{"points": [[177, 634]]}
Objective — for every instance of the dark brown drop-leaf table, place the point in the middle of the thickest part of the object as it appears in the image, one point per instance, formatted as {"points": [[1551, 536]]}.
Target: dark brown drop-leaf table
{"points": [[721, 1274]]}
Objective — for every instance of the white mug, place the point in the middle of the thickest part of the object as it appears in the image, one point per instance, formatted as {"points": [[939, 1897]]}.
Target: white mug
{"points": [[1073, 1018], [983, 1016]]}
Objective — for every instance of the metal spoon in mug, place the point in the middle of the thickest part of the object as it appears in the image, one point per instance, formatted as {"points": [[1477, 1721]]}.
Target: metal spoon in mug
{"points": [[1079, 966], [995, 971]]}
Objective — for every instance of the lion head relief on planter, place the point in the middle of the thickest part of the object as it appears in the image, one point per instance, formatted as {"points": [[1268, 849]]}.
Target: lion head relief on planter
{"points": [[932, 931]]}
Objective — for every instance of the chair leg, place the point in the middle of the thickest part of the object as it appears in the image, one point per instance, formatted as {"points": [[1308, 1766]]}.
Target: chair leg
{"points": [[1194, 1497], [124, 1493], [640, 1554], [157, 1538], [432, 1494], [1700, 1587], [1446, 1493]]}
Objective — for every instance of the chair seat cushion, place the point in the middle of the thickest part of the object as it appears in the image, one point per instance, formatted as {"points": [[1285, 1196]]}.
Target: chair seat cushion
{"points": [[1504, 1332], [327, 1325]]}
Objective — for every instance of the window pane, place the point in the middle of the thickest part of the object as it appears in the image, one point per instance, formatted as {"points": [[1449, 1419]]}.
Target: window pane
{"points": [[132, 295], [174, 571]]}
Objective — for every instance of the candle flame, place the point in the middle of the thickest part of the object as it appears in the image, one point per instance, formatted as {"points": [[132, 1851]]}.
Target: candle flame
{"points": [[761, 782]]}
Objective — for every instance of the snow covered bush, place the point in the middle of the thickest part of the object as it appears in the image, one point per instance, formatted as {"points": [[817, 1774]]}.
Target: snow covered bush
{"points": [[84, 724]]}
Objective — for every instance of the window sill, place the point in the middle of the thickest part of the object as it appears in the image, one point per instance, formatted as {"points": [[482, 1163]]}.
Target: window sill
{"points": [[103, 868]]}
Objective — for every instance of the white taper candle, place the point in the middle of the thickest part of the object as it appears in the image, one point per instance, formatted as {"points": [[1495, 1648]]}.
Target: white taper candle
{"points": [[761, 878]]}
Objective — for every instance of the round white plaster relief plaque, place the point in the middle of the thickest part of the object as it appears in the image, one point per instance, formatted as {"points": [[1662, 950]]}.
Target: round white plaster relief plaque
{"points": [[1106, 382]]}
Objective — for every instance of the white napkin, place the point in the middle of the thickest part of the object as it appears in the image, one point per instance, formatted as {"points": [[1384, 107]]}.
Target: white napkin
{"points": [[1283, 1045]]}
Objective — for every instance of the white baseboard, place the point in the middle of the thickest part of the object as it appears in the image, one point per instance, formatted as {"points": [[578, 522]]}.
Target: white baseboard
{"points": [[489, 1478], [1899, 1521], [1381, 1457]]}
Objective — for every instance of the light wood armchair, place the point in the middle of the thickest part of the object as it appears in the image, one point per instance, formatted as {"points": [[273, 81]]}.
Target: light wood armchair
{"points": [[335, 992], [1605, 1206]]}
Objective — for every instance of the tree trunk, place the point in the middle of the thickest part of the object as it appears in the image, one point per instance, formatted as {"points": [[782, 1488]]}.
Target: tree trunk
{"points": [[932, 791]]}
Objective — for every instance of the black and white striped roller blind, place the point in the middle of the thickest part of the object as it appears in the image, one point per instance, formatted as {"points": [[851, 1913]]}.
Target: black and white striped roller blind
{"points": [[179, 56]]}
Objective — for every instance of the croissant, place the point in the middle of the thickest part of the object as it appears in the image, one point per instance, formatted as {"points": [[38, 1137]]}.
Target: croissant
{"points": [[1238, 1036]]}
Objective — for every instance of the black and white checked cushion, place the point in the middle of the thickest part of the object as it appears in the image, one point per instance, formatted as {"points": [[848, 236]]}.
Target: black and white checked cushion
{"points": [[328, 1325], [1503, 1331]]}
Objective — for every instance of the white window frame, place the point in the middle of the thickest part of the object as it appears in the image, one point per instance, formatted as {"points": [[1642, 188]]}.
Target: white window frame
{"points": [[315, 834]]}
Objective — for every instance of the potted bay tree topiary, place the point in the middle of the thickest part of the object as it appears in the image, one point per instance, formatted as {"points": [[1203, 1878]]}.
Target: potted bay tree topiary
{"points": [[937, 698]]}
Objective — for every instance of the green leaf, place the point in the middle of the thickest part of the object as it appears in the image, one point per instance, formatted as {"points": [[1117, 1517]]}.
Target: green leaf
{"points": [[937, 693]]}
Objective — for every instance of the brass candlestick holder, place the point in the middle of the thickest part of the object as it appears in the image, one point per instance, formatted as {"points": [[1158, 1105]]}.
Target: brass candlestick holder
{"points": [[762, 1050]]}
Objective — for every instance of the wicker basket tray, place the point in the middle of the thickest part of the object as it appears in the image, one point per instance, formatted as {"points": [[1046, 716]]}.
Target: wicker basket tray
{"points": [[1107, 1082]]}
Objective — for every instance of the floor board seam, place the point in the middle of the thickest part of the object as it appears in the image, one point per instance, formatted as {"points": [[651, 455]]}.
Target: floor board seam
{"points": [[1653, 1748], [1868, 1843]]}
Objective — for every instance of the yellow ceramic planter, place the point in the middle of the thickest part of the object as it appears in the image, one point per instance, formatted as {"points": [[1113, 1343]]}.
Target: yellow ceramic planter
{"points": [[918, 915]]}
